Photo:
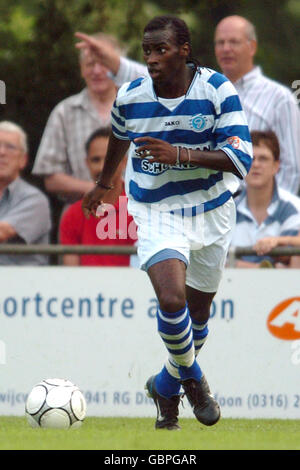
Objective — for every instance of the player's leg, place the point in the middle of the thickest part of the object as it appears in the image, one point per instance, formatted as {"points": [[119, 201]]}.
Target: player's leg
{"points": [[202, 278], [174, 322], [205, 407], [199, 306], [175, 329]]}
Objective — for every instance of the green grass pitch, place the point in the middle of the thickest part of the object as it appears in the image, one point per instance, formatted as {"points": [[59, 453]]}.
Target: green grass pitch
{"points": [[139, 434]]}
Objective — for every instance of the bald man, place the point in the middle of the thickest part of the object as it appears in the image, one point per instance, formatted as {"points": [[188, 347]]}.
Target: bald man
{"points": [[268, 104]]}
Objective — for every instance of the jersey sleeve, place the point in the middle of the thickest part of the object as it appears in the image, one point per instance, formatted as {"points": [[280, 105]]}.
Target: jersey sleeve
{"points": [[118, 118], [231, 131]]}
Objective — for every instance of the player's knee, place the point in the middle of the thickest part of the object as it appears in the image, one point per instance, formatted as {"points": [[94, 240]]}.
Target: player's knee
{"points": [[170, 302]]}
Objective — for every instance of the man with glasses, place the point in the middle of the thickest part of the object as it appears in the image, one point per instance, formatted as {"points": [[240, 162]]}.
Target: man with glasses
{"points": [[24, 209], [268, 104]]}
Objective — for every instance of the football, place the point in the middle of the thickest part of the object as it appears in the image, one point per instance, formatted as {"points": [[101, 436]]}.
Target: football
{"points": [[55, 403]]}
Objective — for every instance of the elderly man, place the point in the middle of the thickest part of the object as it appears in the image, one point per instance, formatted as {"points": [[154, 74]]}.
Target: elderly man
{"points": [[268, 104], [24, 210], [61, 155]]}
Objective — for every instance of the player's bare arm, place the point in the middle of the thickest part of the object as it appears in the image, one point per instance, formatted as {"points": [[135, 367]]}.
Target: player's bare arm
{"points": [[163, 152], [115, 153]]}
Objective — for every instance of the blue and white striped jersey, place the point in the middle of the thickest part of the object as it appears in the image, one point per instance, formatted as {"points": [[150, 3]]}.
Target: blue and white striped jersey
{"points": [[209, 117]]}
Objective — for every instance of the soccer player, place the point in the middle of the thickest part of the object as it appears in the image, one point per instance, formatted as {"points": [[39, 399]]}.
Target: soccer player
{"points": [[189, 145]]}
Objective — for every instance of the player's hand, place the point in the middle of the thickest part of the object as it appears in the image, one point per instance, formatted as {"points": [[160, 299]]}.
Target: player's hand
{"points": [[156, 150], [91, 201], [101, 49]]}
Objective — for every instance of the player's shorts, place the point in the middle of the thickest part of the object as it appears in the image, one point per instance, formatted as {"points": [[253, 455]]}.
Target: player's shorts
{"points": [[201, 242]]}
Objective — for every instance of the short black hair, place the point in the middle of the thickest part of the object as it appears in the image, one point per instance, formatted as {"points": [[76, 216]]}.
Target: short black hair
{"points": [[101, 132], [177, 25]]}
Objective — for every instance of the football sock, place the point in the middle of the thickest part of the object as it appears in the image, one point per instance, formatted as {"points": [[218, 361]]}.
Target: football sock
{"points": [[192, 372], [168, 379], [176, 331], [200, 333], [167, 385]]}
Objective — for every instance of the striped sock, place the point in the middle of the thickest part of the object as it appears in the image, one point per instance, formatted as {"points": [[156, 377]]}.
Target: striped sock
{"points": [[200, 332], [176, 331]]}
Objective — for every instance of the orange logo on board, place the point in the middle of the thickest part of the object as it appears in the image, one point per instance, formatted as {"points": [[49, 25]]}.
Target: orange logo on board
{"points": [[284, 320]]}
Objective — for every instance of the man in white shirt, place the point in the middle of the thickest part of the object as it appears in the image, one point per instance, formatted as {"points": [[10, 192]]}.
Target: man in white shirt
{"points": [[268, 104]]}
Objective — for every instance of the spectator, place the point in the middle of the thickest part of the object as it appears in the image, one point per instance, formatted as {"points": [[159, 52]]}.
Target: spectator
{"points": [[265, 245], [268, 104], [115, 228], [263, 208], [24, 209], [61, 154]]}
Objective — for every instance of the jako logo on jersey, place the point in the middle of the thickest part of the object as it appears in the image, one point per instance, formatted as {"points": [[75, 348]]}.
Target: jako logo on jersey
{"points": [[199, 122], [172, 123], [284, 320]]}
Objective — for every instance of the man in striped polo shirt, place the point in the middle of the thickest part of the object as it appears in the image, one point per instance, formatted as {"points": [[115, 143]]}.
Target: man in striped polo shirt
{"points": [[189, 147], [263, 208]]}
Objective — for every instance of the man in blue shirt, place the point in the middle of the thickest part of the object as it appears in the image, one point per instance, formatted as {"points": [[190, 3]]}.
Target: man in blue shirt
{"points": [[24, 209]]}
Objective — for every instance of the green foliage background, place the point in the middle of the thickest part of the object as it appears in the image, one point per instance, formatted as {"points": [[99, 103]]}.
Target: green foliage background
{"points": [[38, 60]]}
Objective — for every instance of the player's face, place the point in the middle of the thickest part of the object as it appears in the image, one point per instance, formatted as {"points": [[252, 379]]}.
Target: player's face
{"points": [[96, 156], [234, 51], [12, 157], [264, 167], [95, 74], [164, 58]]}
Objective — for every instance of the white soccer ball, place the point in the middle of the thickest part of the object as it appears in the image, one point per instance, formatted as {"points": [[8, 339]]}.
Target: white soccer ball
{"points": [[55, 403]]}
